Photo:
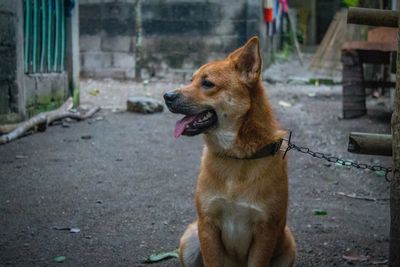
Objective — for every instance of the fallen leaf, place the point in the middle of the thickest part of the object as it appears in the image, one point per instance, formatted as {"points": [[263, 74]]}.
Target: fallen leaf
{"points": [[70, 229], [284, 104], [359, 258], [94, 92], [162, 256], [319, 212], [380, 262], [380, 173], [60, 259], [74, 230]]}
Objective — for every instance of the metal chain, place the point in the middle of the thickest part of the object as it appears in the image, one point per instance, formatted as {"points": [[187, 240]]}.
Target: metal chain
{"points": [[336, 160]]}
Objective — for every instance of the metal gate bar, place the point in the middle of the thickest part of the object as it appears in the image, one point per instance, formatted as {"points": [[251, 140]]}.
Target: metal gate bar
{"points": [[44, 27]]}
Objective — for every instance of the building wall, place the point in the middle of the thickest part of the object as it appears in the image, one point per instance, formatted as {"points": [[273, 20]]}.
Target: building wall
{"points": [[24, 95], [177, 34], [45, 91], [10, 91]]}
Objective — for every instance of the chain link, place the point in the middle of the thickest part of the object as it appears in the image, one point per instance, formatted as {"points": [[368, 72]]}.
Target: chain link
{"points": [[336, 160]]}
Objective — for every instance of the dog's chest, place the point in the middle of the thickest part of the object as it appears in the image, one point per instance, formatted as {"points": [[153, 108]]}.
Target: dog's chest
{"points": [[235, 218]]}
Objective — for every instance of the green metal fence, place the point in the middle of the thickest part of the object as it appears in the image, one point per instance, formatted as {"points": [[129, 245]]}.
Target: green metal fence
{"points": [[44, 30]]}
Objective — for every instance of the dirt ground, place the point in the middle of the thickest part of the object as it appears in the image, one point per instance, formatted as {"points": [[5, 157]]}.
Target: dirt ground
{"points": [[127, 184]]}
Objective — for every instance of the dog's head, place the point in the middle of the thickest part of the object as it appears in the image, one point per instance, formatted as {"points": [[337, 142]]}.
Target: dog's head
{"points": [[219, 93]]}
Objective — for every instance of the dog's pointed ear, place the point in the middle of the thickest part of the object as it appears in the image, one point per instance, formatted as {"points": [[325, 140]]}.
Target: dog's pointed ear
{"points": [[247, 60]]}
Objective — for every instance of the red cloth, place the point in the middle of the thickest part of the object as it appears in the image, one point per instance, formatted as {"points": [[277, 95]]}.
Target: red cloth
{"points": [[268, 15], [268, 11]]}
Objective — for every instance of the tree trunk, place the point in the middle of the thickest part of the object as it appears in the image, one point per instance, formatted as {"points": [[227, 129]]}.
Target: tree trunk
{"points": [[138, 44], [394, 258]]}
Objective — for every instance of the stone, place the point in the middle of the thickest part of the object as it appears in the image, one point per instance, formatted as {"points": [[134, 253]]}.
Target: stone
{"points": [[144, 105]]}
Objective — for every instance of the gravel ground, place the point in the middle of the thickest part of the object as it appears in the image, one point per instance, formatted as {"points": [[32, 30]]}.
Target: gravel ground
{"points": [[127, 184]]}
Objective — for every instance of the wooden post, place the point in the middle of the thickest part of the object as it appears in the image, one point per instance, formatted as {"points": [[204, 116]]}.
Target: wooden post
{"points": [[353, 96], [394, 255], [370, 144], [72, 54], [139, 41], [372, 17]]}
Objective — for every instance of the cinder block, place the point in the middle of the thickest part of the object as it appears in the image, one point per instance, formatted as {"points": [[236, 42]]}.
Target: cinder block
{"points": [[230, 43], [253, 28], [30, 90], [8, 6], [8, 66], [123, 60], [7, 29], [214, 43], [41, 86], [59, 87], [89, 42], [117, 43], [14, 90], [96, 73], [94, 60], [109, 73], [4, 99], [118, 9], [42, 89], [89, 25], [130, 74], [90, 18]]}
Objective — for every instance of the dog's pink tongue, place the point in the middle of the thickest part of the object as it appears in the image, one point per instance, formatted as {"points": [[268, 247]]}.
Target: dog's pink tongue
{"points": [[181, 125]]}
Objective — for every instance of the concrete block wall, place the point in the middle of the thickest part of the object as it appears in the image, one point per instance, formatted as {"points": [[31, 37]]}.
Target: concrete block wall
{"points": [[177, 34], [23, 95], [45, 91], [9, 89]]}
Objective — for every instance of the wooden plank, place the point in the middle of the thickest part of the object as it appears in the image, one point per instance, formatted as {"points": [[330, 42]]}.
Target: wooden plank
{"points": [[370, 144], [367, 45], [372, 17]]}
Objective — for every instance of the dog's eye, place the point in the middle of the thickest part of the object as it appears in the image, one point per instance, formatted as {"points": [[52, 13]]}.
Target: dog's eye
{"points": [[207, 84]]}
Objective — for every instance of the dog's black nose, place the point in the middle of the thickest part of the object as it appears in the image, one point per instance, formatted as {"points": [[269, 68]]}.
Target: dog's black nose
{"points": [[170, 96]]}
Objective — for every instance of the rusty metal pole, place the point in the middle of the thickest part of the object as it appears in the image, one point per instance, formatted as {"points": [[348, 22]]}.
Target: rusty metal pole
{"points": [[394, 250]]}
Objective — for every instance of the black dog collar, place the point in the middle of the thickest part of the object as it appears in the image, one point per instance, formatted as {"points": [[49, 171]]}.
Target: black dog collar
{"points": [[266, 151]]}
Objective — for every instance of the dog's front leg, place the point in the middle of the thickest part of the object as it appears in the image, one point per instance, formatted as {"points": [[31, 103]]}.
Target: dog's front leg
{"points": [[263, 246], [210, 243]]}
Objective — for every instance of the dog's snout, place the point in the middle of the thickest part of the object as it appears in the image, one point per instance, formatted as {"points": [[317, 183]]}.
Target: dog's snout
{"points": [[170, 96]]}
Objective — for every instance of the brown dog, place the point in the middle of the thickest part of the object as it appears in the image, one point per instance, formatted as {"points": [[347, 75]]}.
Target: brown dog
{"points": [[242, 188]]}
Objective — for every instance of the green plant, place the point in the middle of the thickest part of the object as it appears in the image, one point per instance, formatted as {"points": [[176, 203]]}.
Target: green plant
{"points": [[350, 3], [285, 52]]}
